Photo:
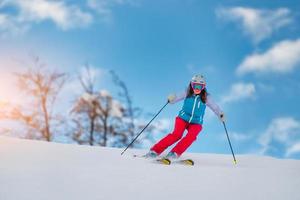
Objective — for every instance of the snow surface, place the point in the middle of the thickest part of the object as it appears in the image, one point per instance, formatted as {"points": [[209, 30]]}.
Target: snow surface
{"points": [[35, 170]]}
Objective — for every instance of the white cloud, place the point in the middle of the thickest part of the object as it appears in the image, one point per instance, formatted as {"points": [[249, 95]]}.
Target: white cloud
{"points": [[65, 16], [265, 88], [240, 91], [259, 24], [284, 130], [104, 7], [283, 57], [293, 149], [10, 26], [239, 137]]}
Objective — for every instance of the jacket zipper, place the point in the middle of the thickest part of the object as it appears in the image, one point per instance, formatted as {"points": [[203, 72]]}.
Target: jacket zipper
{"points": [[195, 101]]}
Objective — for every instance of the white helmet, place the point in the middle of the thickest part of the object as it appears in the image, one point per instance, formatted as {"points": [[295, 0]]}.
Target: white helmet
{"points": [[198, 79]]}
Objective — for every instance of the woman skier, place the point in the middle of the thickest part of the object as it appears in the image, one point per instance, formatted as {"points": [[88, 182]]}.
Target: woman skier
{"points": [[190, 118]]}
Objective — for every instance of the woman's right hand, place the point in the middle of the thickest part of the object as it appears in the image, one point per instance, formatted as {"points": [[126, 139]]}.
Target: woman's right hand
{"points": [[171, 98], [222, 117]]}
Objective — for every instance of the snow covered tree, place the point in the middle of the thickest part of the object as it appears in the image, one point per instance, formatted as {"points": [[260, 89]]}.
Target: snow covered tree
{"points": [[96, 114], [101, 119], [133, 120], [129, 112]]}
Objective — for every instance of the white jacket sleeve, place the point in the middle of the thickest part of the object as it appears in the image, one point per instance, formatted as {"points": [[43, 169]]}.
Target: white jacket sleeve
{"points": [[213, 106], [178, 98]]}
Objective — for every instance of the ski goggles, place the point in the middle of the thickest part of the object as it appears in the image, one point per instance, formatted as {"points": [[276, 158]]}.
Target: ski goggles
{"points": [[198, 86]]}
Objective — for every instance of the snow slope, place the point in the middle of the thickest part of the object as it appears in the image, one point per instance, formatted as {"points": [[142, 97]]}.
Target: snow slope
{"points": [[35, 170]]}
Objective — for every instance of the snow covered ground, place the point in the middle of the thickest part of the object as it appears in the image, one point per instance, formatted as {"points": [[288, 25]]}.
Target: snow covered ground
{"points": [[35, 170]]}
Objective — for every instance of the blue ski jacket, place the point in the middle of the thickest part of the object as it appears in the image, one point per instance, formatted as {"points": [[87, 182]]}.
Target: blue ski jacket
{"points": [[193, 108]]}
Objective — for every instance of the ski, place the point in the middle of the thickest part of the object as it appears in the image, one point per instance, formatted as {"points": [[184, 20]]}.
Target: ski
{"points": [[145, 157], [167, 161], [164, 161], [189, 162], [139, 156]]}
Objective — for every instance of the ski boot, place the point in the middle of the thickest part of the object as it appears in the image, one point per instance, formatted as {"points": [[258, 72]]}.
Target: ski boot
{"points": [[167, 159], [151, 154]]}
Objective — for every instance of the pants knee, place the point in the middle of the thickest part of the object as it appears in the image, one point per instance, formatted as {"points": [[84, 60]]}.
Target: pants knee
{"points": [[176, 135], [192, 136]]}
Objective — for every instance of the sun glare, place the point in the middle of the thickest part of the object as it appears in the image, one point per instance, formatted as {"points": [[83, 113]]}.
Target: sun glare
{"points": [[9, 93]]}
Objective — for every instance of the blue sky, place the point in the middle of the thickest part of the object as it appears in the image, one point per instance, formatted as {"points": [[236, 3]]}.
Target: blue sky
{"points": [[249, 53]]}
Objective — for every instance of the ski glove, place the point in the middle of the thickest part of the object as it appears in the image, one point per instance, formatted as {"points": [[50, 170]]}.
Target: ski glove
{"points": [[171, 98], [222, 117]]}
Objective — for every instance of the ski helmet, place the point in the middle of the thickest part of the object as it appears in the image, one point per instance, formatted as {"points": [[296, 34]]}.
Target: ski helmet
{"points": [[198, 78]]}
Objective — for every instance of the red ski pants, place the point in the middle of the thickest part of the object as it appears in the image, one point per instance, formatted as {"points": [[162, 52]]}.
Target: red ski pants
{"points": [[171, 138]]}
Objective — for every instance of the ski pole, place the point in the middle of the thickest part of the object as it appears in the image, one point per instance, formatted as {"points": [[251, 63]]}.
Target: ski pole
{"points": [[235, 162], [144, 128]]}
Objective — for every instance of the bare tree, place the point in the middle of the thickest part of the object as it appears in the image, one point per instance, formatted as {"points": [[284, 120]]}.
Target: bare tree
{"points": [[130, 113], [131, 125], [41, 87], [85, 105], [104, 120], [95, 112]]}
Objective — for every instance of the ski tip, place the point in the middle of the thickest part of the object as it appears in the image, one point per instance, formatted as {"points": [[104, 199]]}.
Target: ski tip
{"points": [[189, 162], [164, 161]]}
